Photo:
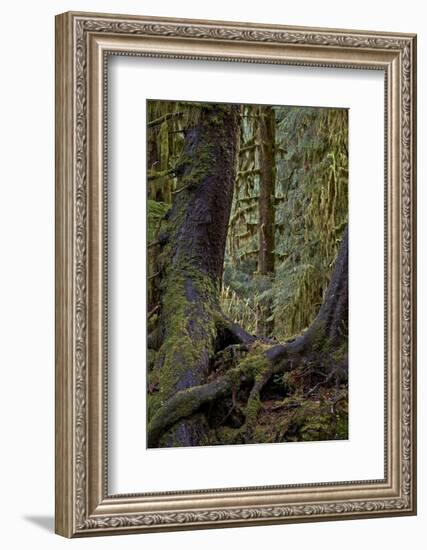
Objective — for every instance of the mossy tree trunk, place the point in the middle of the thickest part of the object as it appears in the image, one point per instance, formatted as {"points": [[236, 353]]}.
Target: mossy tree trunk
{"points": [[266, 227], [191, 264], [327, 336]]}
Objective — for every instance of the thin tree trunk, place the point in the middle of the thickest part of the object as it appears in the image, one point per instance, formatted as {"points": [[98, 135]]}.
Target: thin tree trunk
{"points": [[152, 159], [267, 166]]}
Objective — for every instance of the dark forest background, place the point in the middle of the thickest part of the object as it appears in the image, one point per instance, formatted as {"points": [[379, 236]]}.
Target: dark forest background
{"points": [[281, 176]]}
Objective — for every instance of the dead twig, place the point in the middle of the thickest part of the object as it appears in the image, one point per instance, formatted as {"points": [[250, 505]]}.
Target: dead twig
{"points": [[181, 189], [153, 311]]}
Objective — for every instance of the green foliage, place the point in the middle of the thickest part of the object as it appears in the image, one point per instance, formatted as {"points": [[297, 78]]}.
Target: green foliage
{"points": [[155, 214], [243, 291], [239, 309], [166, 124], [311, 212], [242, 243]]}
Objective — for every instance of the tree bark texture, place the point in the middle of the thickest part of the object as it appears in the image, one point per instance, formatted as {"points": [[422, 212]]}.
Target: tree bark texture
{"points": [[266, 137], [266, 231], [190, 264]]}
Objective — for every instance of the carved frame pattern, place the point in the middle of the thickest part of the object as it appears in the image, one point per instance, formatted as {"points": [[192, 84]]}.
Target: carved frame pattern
{"points": [[75, 513]]}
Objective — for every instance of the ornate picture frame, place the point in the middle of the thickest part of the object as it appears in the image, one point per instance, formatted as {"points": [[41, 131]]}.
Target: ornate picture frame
{"points": [[84, 42]]}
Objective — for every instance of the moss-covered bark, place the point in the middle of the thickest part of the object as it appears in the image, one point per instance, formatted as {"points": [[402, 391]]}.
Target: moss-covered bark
{"points": [[266, 227], [266, 137], [191, 262]]}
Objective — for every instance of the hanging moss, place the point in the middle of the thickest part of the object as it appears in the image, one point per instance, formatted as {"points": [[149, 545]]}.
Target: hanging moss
{"points": [[313, 176], [311, 202]]}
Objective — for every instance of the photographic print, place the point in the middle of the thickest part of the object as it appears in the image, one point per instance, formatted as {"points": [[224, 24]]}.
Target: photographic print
{"points": [[247, 274]]}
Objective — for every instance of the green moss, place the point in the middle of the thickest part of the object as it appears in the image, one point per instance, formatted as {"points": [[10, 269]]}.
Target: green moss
{"points": [[181, 349], [235, 376], [340, 354], [254, 366], [153, 403], [317, 427], [229, 436], [288, 381], [262, 434], [255, 363], [252, 409], [317, 421], [298, 418], [183, 346], [198, 168], [151, 358], [155, 212], [342, 426], [318, 337]]}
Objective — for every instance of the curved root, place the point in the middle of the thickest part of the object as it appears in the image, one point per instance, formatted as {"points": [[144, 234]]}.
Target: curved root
{"points": [[257, 368]]}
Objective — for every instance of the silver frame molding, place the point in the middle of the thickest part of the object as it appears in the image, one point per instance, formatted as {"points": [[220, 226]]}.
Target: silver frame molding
{"points": [[83, 43]]}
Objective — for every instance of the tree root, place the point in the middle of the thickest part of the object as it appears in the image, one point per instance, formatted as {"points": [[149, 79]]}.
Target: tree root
{"points": [[323, 343], [336, 373], [256, 368], [184, 404], [254, 404]]}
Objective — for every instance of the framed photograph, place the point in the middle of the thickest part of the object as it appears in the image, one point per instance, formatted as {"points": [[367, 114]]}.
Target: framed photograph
{"points": [[235, 274]]}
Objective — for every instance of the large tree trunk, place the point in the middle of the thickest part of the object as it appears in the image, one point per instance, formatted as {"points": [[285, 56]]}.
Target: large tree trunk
{"points": [[190, 264]]}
